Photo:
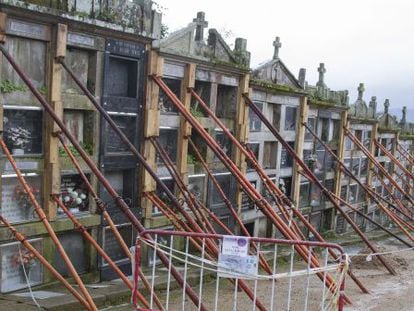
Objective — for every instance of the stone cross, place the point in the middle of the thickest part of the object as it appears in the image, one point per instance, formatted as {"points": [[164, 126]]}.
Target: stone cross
{"points": [[277, 44], [404, 115], [361, 90], [386, 106], [321, 71], [302, 77], [201, 24]]}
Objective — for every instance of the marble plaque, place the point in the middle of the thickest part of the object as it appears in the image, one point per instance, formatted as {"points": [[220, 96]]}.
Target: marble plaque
{"points": [[111, 244], [80, 40], [16, 260], [15, 203], [29, 30]]}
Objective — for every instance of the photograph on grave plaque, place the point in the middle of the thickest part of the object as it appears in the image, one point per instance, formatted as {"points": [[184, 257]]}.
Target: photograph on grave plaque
{"points": [[15, 202], [111, 244], [18, 266], [74, 194], [128, 126], [23, 131]]}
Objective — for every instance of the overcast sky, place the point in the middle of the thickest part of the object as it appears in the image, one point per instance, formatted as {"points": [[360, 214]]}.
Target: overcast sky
{"points": [[370, 41]]}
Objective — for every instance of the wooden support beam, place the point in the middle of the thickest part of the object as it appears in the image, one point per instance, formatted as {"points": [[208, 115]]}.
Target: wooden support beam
{"points": [[185, 128], [3, 25], [242, 129], [151, 128], [300, 139], [51, 174], [341, 151]]}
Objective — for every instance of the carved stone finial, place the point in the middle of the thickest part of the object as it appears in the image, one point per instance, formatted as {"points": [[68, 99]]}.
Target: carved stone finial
{"points": [[240, 45], [321, 71], [373, 105], [386, 105], [361, 90], [302, 77], [404, 115], [277, 44], [201, 24]]}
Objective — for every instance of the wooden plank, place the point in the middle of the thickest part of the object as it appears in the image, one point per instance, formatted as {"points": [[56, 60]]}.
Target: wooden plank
{"points": [[3, 26], [185, 128], [52, 167], [151, 128], [241, 134], [300, 139]]}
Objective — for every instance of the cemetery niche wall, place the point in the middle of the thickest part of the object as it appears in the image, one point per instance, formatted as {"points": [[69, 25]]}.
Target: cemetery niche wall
{"points": [[280, 96], [205, 62], [94, 44]]}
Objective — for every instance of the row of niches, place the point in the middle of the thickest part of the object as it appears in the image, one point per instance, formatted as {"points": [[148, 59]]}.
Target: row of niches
{"points": [[16, 205], [274, 114], [23, 129], [268, 156], [220, 98]]}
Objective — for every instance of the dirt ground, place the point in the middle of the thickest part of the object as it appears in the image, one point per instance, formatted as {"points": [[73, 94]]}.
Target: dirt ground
{"points": [[387, 292]]}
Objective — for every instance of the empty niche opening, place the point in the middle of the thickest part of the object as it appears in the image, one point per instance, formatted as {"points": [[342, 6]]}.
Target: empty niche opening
{"points": [[276, 115], [203, 89], [123, 77], [193, 162], [168, 139], [254, 148], [290, 118], [80, 125], [286, 160], [226, 101], [164, 103], [255, 124], [162, 194], [270, 155], [78, 61], [23, 130], [285, 185]]}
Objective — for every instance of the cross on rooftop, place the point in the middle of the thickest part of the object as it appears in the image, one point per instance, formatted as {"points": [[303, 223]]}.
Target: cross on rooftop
{"points": [[386, 105], [321, 71], [361, 90], [201, 24], [277, 44], [404, 114]]}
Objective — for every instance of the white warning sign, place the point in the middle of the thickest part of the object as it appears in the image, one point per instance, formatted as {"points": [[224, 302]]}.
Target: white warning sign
{"points": [[235, 245]]}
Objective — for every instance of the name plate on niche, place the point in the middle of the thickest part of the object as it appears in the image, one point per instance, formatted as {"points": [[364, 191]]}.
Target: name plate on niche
{"points": [[15, 261], [111, 244], [78, 39], [126, 48], [30, 30]]}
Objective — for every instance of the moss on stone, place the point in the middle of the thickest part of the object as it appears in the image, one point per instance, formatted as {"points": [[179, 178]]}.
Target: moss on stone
{"points": [[276, 87]]}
